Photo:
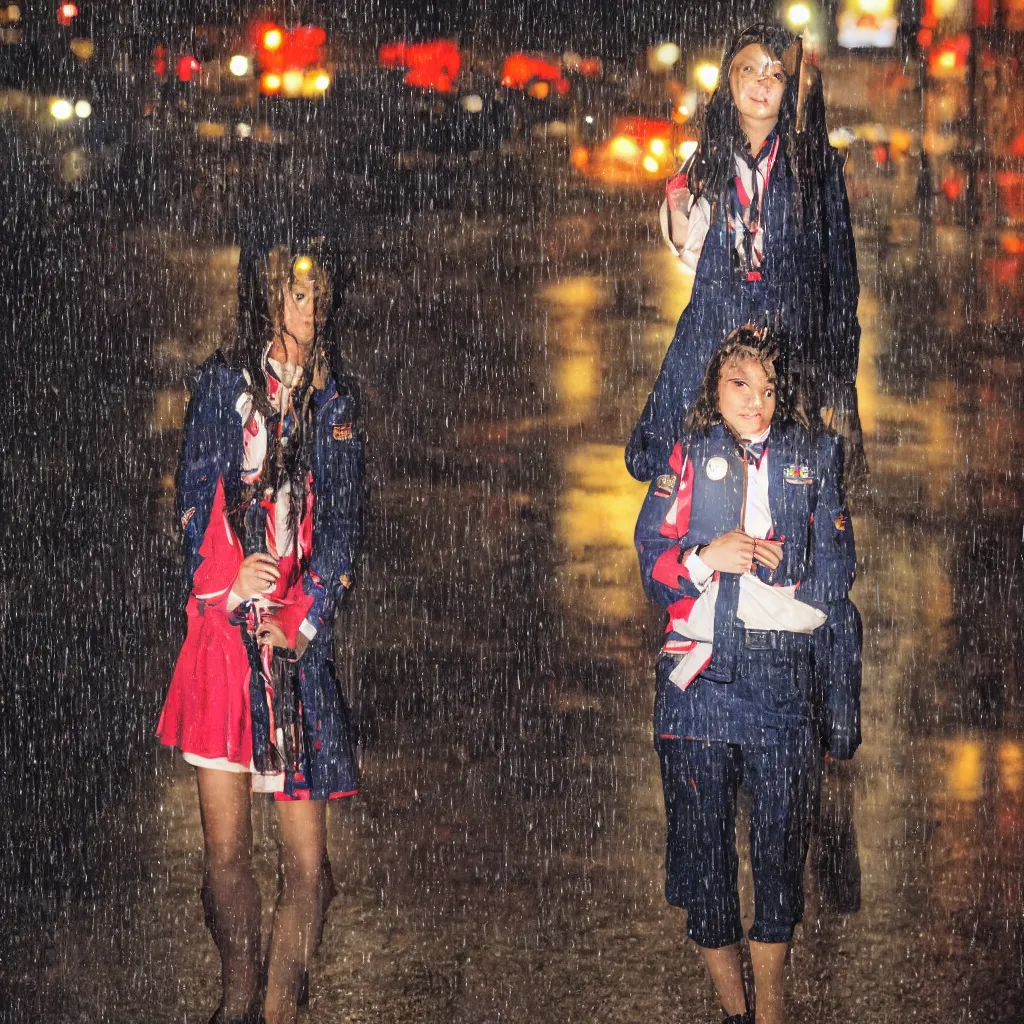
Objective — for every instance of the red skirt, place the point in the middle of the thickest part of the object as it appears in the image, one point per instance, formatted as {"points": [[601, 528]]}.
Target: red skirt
{"points": [[207, 708]]}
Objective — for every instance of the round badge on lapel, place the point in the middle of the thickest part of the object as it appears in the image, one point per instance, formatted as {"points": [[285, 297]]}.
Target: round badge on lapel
{"points": [[716, 468]]}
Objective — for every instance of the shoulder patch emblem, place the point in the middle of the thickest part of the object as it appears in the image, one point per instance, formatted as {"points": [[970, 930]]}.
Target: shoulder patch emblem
{"points": [[797, 474], [342, 431], [717, 468], [665, 484], [187, 517]]}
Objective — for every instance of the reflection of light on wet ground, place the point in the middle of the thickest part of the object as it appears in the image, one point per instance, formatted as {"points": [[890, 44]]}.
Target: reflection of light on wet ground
{"points": [[912, 446], [1010, 758], [599, 501], [964, 769], [577, 370], [168, 410], [980, 768], [597, 510], [670, 292]]}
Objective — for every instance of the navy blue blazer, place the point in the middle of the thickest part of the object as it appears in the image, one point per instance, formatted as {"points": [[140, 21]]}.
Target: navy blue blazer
{"points": [[808, 289], [685, 507], [212, 451]]}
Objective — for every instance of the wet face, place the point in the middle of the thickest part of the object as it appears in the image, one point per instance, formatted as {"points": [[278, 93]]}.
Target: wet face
{"points": [[300, 301], [746, 396], [757, 81], [299, 296]]}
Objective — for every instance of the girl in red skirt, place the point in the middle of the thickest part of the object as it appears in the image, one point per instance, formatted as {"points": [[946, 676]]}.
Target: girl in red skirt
{"points": [[269, 491]]}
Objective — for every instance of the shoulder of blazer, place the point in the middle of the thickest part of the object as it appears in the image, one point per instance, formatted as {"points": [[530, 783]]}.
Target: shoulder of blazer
{"points": [[215, 379]]}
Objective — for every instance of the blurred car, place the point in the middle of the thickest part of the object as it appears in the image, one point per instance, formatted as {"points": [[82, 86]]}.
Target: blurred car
{"points": [[51, 118]]}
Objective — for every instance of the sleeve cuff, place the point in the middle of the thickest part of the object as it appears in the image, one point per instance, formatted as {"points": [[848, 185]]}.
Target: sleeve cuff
{"points": [[700, 573]]}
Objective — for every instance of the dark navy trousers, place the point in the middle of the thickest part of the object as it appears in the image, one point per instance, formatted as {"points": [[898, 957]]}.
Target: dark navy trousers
{"points": [[702, 779]]}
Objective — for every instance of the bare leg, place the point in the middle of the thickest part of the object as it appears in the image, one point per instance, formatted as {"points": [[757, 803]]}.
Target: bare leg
{"points": [[301, 901], [726, 972], [769, 961], [230, 895]]}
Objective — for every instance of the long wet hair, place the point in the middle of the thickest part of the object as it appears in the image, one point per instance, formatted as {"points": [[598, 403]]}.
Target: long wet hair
{"points": [[261, 281], [760, 344], [801, 125]]}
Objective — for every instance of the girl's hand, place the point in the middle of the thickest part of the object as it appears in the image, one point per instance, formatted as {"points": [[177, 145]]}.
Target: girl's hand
{"points": [[270, 634], [768, 553], [256, 575], [730, 552]]}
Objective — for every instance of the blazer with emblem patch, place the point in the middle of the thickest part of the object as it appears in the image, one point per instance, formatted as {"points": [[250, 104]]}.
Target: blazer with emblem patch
{"points": [[208, 486], [687, 505]]}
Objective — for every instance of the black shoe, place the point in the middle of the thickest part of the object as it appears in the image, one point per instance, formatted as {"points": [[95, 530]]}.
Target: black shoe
{"points": [[254, 1015]]}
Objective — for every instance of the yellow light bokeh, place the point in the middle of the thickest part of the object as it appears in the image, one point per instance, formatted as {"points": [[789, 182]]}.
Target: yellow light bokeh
{"points": [[61, 110], [622, 147], [798, 15], [707, 76]]}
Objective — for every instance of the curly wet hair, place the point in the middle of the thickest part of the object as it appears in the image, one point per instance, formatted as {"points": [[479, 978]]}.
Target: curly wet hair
{"points": [[765, 346], [801, 125]]}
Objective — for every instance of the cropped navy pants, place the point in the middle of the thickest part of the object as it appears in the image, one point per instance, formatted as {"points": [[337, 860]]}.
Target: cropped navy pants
{"points": [[701, 781]]}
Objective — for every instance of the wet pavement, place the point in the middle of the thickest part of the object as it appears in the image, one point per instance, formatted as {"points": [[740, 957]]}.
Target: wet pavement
{"points": [[503, 862]]}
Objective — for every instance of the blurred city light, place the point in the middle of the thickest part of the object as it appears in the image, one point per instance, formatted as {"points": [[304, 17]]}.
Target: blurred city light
{"points": [[83, 108], [83, 49], [321, 81], [623, 147], [661, 58], [272, 39], [187, 67], [13, 12], [430, 65], [658, 147], [686, 149], [707, 76], [66, 13], [270, 82], [243, 130], [650, 165], [61, 110], [239, 65], [520, 69], [799, 15], [472, 104], [291, 82]]}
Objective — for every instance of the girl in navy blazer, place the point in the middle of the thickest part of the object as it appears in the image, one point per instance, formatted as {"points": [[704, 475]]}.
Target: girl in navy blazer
{"points": [[748, 514], [759, 213], [269, 491]]}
